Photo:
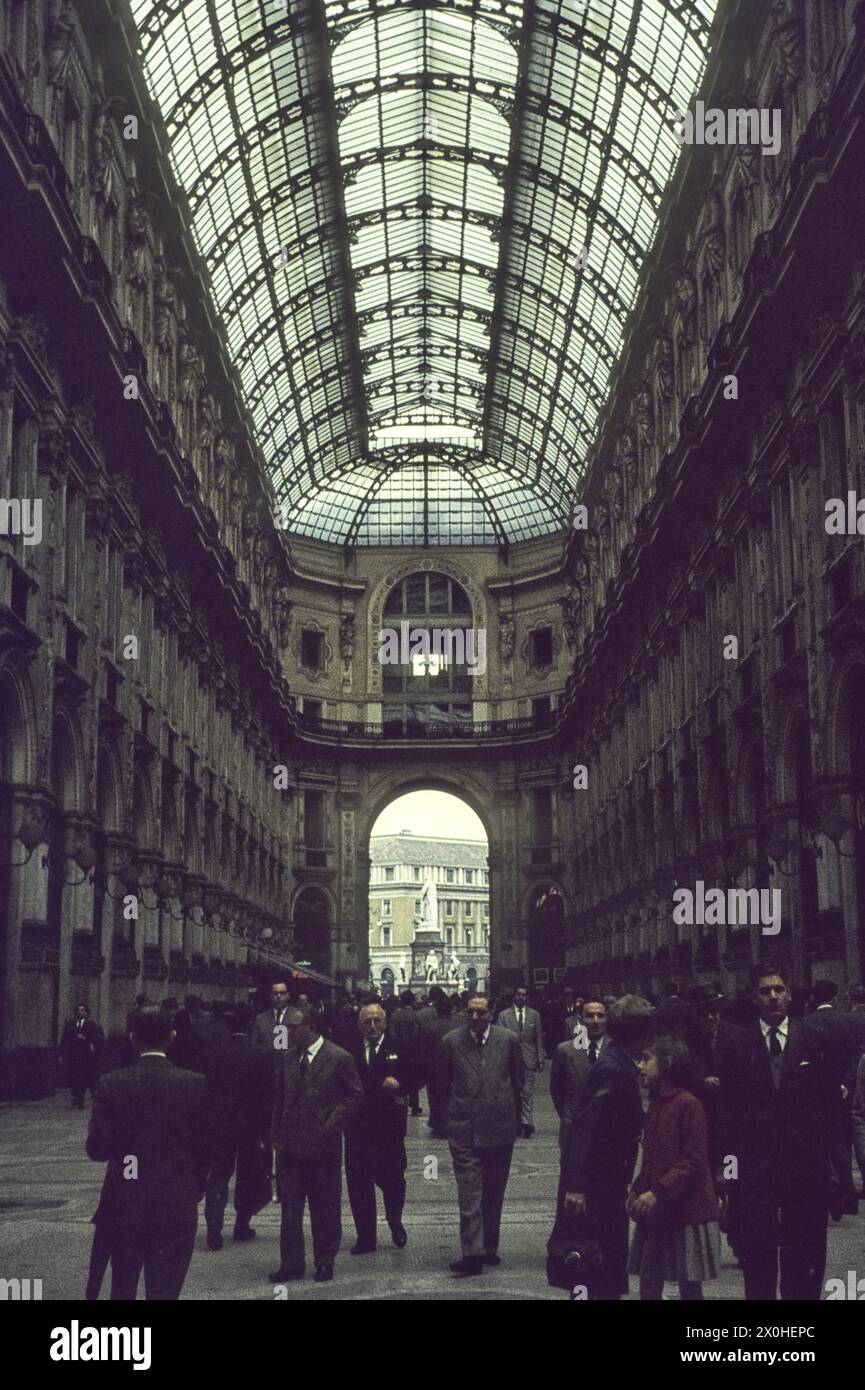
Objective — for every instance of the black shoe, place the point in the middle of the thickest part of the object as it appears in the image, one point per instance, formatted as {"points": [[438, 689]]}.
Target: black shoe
{"points": [[283, 1275], [491, 1258], [323, 1274], [530, 1129], [214, 1238], [363, 1247], [399, 1236], [243, 1231], [469, 1264]]}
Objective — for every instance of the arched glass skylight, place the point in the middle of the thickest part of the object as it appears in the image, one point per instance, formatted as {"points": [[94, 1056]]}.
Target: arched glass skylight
{"points": [[392, 199]]}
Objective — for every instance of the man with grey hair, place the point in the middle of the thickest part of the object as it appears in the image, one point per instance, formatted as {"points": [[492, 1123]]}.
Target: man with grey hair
{"points": [[482, 1074], [598, 1161], [318, 1091], [375, 1135]]}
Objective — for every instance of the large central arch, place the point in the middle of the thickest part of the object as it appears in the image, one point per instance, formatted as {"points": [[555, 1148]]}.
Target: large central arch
{"points": [[472, 787]]}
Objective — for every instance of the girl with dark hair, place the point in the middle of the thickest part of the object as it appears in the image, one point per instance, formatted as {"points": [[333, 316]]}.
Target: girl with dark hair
{"points": [[673, 1199]]}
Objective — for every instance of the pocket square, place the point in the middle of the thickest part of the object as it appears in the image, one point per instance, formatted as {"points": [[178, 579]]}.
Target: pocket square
{"points": [[804, 1064]]}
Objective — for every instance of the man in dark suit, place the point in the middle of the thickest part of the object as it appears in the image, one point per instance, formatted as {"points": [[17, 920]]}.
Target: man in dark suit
{"points": [[482, 1073], [568, 1075], [780, 1120], [239, 1079], [80, 1045], [845, 1034], [150, 1123], [707, 1034], [526, 1023], [318, 1091], [598, 1162], [263, 1034], [375, 1136]]}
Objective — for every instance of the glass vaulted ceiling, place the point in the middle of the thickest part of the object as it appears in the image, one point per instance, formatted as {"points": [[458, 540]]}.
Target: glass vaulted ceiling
{"points": [[391, 199]]}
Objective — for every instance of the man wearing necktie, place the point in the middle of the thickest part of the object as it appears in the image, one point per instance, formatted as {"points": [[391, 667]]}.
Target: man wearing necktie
{"points": [[780, 1116], [526, 1023], [264, 1029], [375, 1137], [80, 1044], [481, 1073], [318, 1091]]}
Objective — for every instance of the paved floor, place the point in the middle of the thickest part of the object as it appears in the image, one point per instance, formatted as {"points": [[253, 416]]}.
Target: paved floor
{"points": [[49, 1190]]}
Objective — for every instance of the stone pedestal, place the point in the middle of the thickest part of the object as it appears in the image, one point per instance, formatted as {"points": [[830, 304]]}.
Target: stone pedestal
{"points": [[426, 938]]}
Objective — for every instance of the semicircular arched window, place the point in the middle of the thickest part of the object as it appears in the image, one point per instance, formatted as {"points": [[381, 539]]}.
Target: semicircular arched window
{"points": [[427, 680]]}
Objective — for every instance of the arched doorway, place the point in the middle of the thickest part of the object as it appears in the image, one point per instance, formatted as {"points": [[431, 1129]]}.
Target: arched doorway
{"points": [[429, 894], [312, 919]]}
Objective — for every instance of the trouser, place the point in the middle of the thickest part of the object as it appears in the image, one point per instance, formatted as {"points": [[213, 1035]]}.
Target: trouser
{"points": [[438, 1107], [772, 1230], [370, 1164], [251, 1159], [316, 1179], [82, 1077], [482, 1176], [164, 1256], [527, 1096]]}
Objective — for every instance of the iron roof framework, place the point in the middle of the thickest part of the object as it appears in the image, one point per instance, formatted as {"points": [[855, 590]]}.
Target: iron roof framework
{"points": [[391, 198]]}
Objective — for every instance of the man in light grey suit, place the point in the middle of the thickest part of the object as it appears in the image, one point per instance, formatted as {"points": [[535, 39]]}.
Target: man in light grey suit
{"points": [[482, 1072], [526, 1023]]}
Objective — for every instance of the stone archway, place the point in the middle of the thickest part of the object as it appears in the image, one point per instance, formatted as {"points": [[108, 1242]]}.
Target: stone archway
{"points": [[476, 786]]}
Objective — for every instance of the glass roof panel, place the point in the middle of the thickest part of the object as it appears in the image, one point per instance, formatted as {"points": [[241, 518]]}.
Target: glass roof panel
{"points": [[391, 198]]}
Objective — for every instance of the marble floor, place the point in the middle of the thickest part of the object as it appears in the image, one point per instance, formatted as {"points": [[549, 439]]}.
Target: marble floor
{"points": [[49, 1190]]}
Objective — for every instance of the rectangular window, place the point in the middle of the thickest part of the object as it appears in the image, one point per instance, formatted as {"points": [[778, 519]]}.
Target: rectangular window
{"points": [[541, 647], [417, 905], [470, 875], [449, 936], [385, 936], [450, 875], [313, 819], [469, 937], [311, 711], [312, 649], [385, 907], [468, 910], [542, 816], [486, 911], [388, 874], [449, 907], [417, 875]]}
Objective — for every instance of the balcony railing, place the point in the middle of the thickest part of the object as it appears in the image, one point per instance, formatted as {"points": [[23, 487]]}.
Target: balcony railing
{"points": [[415, 729]]}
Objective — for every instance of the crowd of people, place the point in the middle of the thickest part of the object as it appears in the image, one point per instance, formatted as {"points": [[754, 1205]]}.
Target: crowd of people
{"points": [[755, 1107]]}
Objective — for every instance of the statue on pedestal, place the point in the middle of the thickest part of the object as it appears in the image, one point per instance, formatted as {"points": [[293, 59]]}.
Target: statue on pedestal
{"points": [[431, 965]]}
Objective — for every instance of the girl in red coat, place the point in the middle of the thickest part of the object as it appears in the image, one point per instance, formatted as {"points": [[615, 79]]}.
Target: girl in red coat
{"points": [[673, 1199]]}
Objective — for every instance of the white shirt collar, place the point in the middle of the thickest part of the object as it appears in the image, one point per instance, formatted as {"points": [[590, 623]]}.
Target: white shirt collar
{"points": [[314, 1047], [152, 1054], [484, 1035], [766, 1028]]}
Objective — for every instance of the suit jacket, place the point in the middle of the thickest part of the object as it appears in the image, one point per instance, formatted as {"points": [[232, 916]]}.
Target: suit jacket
{"points": [[157, 1115], [705, 1062], [239, 1078], [602, 1144], [483, 1086], [531, 1039], [261, 1033], [845, 1034], [568, 1075], [309, 1114], [859, 1115], [78, 1047], [383, 1116], [780, 1137]]}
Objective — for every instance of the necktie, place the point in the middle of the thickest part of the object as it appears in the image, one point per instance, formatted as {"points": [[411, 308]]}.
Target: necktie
{"points": [[593, 1053], [520, 1019], [370, 1055], [774, 1043], [304, 1067]]}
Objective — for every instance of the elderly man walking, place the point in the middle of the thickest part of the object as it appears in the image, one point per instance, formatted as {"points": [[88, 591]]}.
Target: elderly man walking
{"points": [[375, 1136], [482, 1074]]}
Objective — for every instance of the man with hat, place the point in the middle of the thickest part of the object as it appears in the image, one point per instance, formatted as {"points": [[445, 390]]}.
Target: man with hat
{"points": [[707, 1034]]}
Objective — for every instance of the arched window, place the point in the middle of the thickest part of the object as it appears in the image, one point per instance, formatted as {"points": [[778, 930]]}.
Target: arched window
{"points": [[427, 682]]}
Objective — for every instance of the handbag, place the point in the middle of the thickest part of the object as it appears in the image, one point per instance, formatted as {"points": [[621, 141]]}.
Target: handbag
{"points": [[573, 1255]]}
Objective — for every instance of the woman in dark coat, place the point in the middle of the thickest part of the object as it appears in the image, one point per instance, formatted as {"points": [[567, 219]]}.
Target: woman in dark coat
{"points": [[673, 1199]]}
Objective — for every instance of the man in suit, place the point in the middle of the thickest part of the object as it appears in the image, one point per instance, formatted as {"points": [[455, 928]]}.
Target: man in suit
{"points": [[482, 1074], [406, 1029], [845, 1033], [375, 1136], [318, 1091], [781, 1121], [594, 1017], [526, 1023], [568, 1075], [598, 1162], [80, 1045], [707, 1035], [263, 1034], [150, 1123], [239, 1078]]}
